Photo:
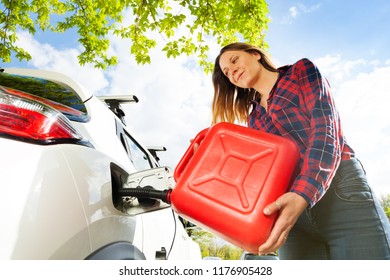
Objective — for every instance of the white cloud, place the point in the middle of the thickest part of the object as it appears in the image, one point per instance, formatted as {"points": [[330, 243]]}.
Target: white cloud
{"points": [[295, 11], [338, 69], [174, 98], [362, 99], [309, 9], [47, 57]]}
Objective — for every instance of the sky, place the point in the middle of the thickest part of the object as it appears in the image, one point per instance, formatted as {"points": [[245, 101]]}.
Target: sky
{"points": [[348, 40]]}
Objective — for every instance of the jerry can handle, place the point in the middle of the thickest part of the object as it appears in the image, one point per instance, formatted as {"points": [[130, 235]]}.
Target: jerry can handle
{"points": [[189, 154]]}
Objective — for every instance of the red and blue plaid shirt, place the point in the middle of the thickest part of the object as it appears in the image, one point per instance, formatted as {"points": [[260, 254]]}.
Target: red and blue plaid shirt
{"points": [[300, 107]]}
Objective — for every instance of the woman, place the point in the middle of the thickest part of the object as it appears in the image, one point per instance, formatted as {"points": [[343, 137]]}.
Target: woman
{"points": [[330, 211]]}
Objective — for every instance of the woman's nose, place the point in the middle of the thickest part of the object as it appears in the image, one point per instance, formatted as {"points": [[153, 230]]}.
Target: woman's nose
{"points": [[234, 70]]}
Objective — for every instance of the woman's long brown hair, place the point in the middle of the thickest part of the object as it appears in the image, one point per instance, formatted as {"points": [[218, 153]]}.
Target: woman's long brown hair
{"points": [[231, 103]]}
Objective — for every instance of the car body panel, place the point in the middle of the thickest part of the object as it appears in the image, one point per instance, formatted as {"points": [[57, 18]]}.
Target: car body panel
{"points": [[29, 202]]}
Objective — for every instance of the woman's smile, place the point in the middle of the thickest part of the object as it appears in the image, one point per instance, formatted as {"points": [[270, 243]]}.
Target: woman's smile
{"points": [[239, 75]]}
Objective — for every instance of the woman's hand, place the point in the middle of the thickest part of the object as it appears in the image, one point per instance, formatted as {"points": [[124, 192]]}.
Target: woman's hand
{"points": [[290, 207]]}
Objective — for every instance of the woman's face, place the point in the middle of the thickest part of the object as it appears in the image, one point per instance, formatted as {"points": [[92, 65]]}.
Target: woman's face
{"points": [[241, 68]]}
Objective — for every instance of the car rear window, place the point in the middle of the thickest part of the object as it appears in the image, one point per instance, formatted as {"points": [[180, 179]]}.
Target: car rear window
{"points": [[60, 93]]}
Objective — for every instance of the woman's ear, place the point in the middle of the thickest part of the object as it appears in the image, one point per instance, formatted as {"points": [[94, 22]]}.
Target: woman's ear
{"points": [[256, 55]]}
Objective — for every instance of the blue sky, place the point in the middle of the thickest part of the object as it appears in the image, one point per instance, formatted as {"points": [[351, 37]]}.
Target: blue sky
{"points": [[355, 29], [348, 40]]}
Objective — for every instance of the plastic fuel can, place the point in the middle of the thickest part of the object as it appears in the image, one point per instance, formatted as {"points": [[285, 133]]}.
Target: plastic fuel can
{"points": [[234, 173]]}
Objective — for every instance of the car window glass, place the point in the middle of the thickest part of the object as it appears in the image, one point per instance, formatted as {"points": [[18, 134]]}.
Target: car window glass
{"points": [[137, 155], [60, 93]]}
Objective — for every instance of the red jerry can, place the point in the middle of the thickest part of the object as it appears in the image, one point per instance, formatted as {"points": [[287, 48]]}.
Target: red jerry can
{"points": [[225, 184]]}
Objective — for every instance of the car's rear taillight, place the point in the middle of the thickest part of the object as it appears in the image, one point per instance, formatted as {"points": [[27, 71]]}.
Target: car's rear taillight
{"points": [[31, 120], [71, 113]]}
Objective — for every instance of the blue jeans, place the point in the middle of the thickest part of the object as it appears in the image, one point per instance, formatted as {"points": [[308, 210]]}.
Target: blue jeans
{"points": [[348, 223]]}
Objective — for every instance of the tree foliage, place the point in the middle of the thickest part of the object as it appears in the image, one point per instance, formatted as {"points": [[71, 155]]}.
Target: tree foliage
{"points": [[184, 25], [211, 245], [385, 202]]}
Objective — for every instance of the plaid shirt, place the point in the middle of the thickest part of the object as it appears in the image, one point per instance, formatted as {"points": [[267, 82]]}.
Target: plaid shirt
{"points": [[300, 107]]}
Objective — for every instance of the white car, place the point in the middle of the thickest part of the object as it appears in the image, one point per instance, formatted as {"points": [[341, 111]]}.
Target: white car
{"points": [[65, 154]]}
